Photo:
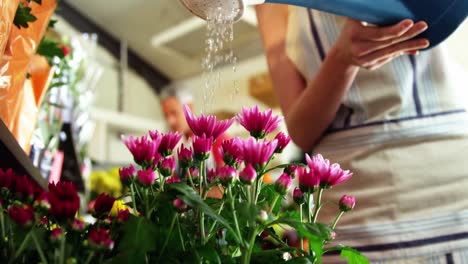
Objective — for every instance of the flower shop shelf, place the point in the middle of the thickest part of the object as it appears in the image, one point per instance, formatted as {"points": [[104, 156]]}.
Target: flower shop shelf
{"points": [[12, 156]]}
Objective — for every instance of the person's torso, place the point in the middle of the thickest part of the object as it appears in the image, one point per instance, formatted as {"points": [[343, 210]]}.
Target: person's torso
{"points": [[402, 129], [409, 87]]}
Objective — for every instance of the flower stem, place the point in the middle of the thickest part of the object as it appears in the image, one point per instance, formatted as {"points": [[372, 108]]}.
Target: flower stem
{"points": [[259, 180], [249, 193], [147, 213], [62, 249], [133, 198], [273, 205], [202, 228], [168, 236], [89, 258], [180, 234], [302, 219], [215, 222], [318, 205], [189, 176], [23, 245], [258, 187], [337, 219], [247, 255], [2, 222], [38, 247], [202, 214], [234, 214], [201, 176], [309, 205], [162, 181]]}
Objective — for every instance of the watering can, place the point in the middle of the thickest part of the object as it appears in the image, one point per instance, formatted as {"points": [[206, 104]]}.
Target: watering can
{"points": [[442, 16]]}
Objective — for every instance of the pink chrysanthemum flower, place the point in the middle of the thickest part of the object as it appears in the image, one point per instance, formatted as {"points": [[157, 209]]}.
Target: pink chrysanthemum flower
{"points": [[283, 141], [185, 157], [172, 179], [127, 174], [283, 184], [347, 203], [259, 124], [298, 196], [308, 179], [202, 147], [231, 151], [226, 175], [248, 175], [167, 166], [257, 153], [146, 177], [207, 125], [330, 175], [100, 238], [143, 148], [169, 142]]}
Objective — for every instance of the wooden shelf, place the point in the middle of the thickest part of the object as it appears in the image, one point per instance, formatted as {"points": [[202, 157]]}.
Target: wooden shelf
{"points": [[12, 156]]}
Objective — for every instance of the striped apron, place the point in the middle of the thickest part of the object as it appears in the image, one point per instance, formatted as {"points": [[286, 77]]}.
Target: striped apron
{"points": [[403, 131]]}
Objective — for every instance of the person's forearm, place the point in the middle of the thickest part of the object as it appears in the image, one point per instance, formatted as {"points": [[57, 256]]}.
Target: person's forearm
{"points": [[316, 107]]}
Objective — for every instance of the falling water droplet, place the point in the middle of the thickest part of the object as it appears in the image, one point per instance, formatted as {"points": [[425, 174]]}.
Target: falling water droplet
{"points": [[219, 52]]}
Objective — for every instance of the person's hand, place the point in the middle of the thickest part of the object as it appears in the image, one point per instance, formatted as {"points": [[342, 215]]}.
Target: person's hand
{"points": [[371, 47]]}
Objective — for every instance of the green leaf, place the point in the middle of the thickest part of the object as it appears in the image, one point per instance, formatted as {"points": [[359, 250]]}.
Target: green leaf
{"points": [[50, 48], [190, 197], [248, 213], [308, 230], [23, 16], [57, 84], [267, 194], [353, 256], [317, 247], [292, 214], [209, 254], [52, 23], [38, 1], [267, 198], [138, 234]]}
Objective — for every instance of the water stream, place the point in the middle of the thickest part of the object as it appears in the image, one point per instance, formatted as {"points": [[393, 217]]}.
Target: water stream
{"points": [[218, 53]]}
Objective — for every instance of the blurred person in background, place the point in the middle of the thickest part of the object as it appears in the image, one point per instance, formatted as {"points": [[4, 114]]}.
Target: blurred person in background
{"points": [[371, 99], [172, 100]]}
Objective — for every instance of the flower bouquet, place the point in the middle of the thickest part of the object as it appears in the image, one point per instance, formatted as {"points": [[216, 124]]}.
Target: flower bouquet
{"points": [[177, 209]]}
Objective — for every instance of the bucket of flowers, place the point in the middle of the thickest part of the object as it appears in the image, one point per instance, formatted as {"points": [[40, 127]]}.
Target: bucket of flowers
{"points": [[176, 209]]}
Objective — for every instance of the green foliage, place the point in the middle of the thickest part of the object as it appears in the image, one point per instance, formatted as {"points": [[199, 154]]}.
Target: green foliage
{"points": [[23, 16], [309, 230], [208, 255], [267, 197], [190, 197], [50, 48], [249, 213], [52, 23], [138, 236], [353, 256]]}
